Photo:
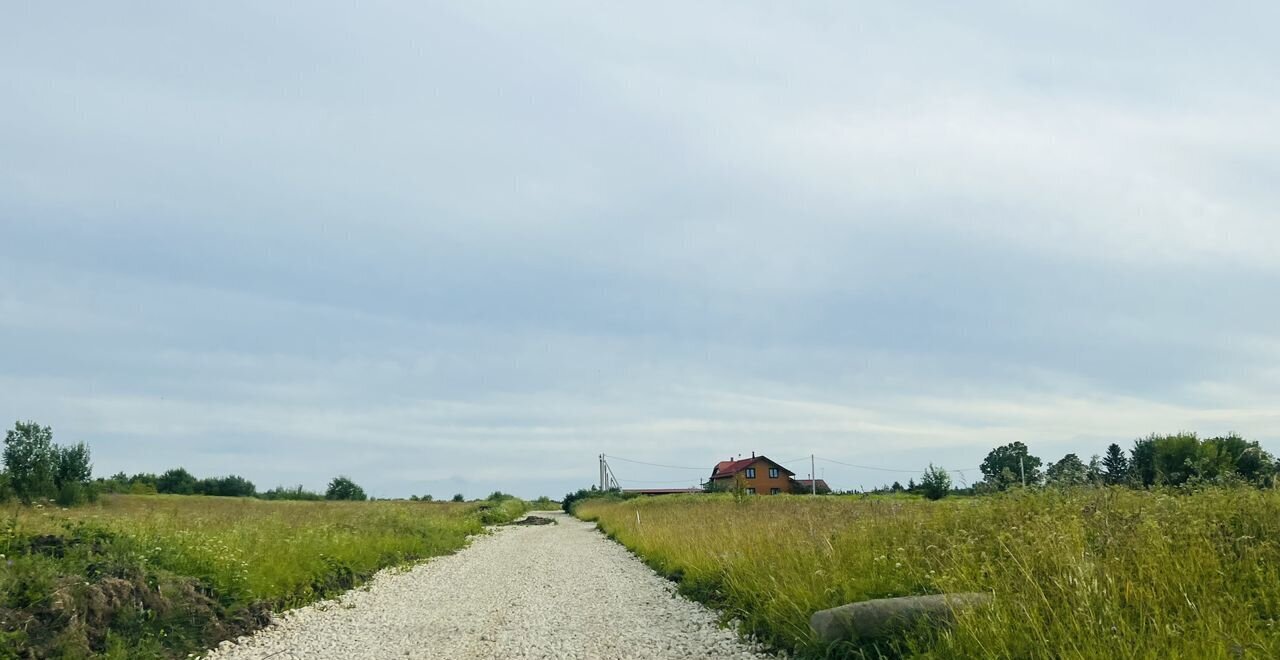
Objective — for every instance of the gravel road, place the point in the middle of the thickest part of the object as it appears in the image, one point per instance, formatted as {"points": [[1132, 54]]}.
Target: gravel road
{"points": [[548, 591]]}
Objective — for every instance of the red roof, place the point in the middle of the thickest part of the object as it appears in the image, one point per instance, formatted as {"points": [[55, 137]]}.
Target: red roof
{"points": [[730, 468]]}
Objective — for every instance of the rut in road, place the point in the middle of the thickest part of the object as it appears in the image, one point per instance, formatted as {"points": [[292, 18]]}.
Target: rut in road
{"points": [[549, 591]]}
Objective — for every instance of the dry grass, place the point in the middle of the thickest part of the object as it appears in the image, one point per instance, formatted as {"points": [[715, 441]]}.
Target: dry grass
{"points": [[1087, 574]]}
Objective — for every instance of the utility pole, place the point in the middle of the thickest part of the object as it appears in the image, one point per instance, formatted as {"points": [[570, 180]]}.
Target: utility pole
{"points": [[813, 477], [602, 477], [1023, 469]]}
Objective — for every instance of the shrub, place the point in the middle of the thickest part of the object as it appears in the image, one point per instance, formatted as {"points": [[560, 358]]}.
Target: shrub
{"points": [[177, 482], [295, 493], [458, 498], [935, 483], [228, 486], [343, 488]]}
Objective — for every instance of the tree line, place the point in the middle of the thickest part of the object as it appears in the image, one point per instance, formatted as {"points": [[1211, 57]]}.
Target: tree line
{"points": [[38, 470], [1180, 459], [178, 481]]}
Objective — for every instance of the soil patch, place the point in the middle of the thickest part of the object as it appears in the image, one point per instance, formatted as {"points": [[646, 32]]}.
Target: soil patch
{"points": [[533, 520]]}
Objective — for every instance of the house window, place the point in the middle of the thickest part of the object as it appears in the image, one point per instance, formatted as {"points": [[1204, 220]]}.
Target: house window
{"points": [[751, 473], [775, 491], [751, 491], [773, 474]]}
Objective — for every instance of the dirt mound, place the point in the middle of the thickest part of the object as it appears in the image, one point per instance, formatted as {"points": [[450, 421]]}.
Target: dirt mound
{"points": [[533, 520]]}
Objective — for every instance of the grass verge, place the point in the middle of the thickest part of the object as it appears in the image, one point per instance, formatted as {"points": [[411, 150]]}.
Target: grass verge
{"points": [[165, 576], [1090, 573]]}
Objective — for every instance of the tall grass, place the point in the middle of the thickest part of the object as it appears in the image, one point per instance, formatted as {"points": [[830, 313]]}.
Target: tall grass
{"points": [[1089, 573], [163, 576]]}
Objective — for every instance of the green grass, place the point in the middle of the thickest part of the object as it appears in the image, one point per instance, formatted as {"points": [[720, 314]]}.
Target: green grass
{"points": [[164, 576], [1091, 573]]}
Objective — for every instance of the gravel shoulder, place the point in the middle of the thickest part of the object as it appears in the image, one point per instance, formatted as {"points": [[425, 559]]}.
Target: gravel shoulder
{"points": [[548, 591]]}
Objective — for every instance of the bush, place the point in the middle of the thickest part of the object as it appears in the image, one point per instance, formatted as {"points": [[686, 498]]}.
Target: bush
{"points": [[935, 483], [177, 482], [571, 500], [228, 486], [458, 498], [343, 488], [544, 503], [295, 493], [71, 493]]}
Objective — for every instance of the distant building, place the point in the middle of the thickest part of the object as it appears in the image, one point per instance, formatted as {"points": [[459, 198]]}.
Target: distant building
{"points": [[661, 491], [805, 486], [757, 475]]}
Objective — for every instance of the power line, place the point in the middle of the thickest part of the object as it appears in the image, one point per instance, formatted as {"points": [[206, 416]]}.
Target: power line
{"points": [[881, 469], [673, 467], [794, 460], [677, 481]]}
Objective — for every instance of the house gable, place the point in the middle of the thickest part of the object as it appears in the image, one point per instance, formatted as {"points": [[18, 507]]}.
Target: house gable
{"points": [[727, 469]]}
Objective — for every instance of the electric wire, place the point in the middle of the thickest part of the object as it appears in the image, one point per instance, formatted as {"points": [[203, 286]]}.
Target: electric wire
{"points": [[673, 467]]}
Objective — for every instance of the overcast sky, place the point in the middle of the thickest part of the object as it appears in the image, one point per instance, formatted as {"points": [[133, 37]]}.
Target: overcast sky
{"points": [[469, 246]]}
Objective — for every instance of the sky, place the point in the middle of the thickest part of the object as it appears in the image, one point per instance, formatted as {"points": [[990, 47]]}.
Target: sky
{"points": [[467, 246]]}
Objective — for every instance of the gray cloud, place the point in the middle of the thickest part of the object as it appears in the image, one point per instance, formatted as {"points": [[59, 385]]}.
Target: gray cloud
{"points": [[467, 248]]}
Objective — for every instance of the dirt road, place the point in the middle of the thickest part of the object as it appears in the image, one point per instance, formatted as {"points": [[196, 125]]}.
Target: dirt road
{"points": [[550, 591]]}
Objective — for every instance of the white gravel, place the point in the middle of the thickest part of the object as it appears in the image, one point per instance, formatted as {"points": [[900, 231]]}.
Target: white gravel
{"points": [[549, 591]]}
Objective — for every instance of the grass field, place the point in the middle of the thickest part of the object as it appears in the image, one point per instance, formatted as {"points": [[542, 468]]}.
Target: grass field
{"points": [[164, 576], [1090, 573]]}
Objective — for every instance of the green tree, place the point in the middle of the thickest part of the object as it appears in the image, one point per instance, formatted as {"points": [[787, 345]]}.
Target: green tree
{"points": [[458, 498], [30, 459], [1222, 457], [1142, 461], [1095, 475], [177, 482], [72, 474], [1004, 466], [1070, 471], [73, 465], [935, 483], [343, 488], [1175, 458], [229, 486], [1115, 467]]}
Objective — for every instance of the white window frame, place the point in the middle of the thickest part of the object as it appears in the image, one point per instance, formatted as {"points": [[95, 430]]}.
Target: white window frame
{"points": [[773, 473], [751, 473]]}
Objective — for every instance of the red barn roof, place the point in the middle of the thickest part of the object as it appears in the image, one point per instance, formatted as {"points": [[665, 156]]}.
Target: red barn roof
{"points": [[730, 468]]}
